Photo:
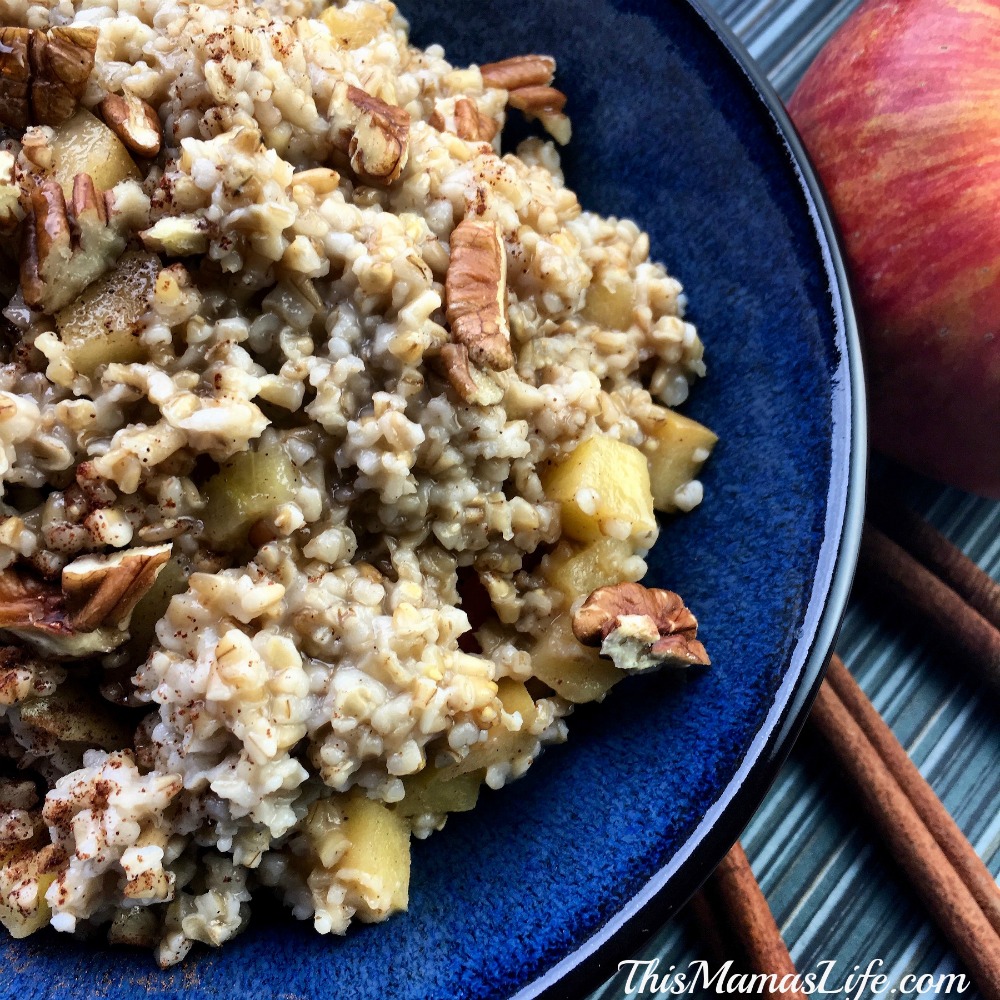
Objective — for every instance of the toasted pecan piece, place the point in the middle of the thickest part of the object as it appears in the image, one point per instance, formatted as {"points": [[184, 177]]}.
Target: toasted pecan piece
{"points": [[476, 293], [375, 137], [64, 249], [104, 590], [471, 124], [89, 613], [519, 71], [43, 74], [61, 62], [135, 122], [640, 627]]}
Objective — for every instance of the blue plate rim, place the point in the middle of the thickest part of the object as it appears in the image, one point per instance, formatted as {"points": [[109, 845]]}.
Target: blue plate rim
{"points": [[592, 962]]}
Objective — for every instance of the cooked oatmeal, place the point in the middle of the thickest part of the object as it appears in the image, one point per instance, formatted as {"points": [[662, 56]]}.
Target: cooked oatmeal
{"points": [[330, 443]]}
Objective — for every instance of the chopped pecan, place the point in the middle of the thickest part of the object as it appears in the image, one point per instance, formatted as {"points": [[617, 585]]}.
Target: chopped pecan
{"points": [[528, 82], [29, 603], [471, 384], [61, 61], [91, 610], [639, 627], [546, 104], [471, 124], [15, 77], [135, 122], [104, 590], [537, 101], [476, 293], [64, 250], [375, 137], [35, 612], [43, 74], [519, 71]]}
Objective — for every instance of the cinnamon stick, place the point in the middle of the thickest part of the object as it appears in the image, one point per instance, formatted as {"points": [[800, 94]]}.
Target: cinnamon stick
{"points": [[752, 920], [942, 890], [903, 578], [711, 929], [936, 818], [927, 544]]}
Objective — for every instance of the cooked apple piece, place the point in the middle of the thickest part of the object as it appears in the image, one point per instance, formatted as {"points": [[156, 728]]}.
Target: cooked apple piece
{"points": [[27, 872], [436, 790], [74, 715], [135, 927], [247, 488], [501, 744], [603, 489], [354, 28], [85, 145], [574, 671], [172, 580], [609, 305], [104, 322], [377, 860], [578, 572], [676, 447]]}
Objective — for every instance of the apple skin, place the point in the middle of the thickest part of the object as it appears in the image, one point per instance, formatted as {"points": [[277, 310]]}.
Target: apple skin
{"points": [[900, 114]]}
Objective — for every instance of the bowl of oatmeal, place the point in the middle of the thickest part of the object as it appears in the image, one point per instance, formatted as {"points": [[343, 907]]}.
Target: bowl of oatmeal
{"points": [[357, 445]]}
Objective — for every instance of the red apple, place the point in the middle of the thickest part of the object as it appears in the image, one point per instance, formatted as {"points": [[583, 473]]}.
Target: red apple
{"points": [[901, 115]]}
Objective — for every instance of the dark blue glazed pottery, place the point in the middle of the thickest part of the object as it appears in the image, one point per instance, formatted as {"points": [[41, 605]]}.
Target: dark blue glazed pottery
{"points": [[550, 882]]}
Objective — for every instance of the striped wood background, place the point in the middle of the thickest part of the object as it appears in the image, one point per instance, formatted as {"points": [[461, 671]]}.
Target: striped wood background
{"points": [[833, 888]]}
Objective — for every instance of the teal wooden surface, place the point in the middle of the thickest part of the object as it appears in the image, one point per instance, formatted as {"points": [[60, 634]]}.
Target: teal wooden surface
{"points": [[835, 891]]}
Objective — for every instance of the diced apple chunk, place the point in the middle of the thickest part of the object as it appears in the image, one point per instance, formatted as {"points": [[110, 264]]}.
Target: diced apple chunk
{"points": [[579, 572], [573, 671], [676, 447], [436, 790], [354, 28], [602, 487], [102, 325], [502, 744], [247, 488], [171, 580], [74, 715], [377, 861], [609, 303], [85, 145], [25, 875]]}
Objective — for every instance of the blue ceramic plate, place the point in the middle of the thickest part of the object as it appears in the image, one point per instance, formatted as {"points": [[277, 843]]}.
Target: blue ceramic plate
{"points": [[549, 882]]}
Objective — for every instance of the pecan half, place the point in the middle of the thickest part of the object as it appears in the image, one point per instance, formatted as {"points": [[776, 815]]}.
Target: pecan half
{"points": [[519, 71], [64, 249], [135, 122], [104, 590], [43, 74], [640, 628], [375, 138], [476, 293], [528, 82]]}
